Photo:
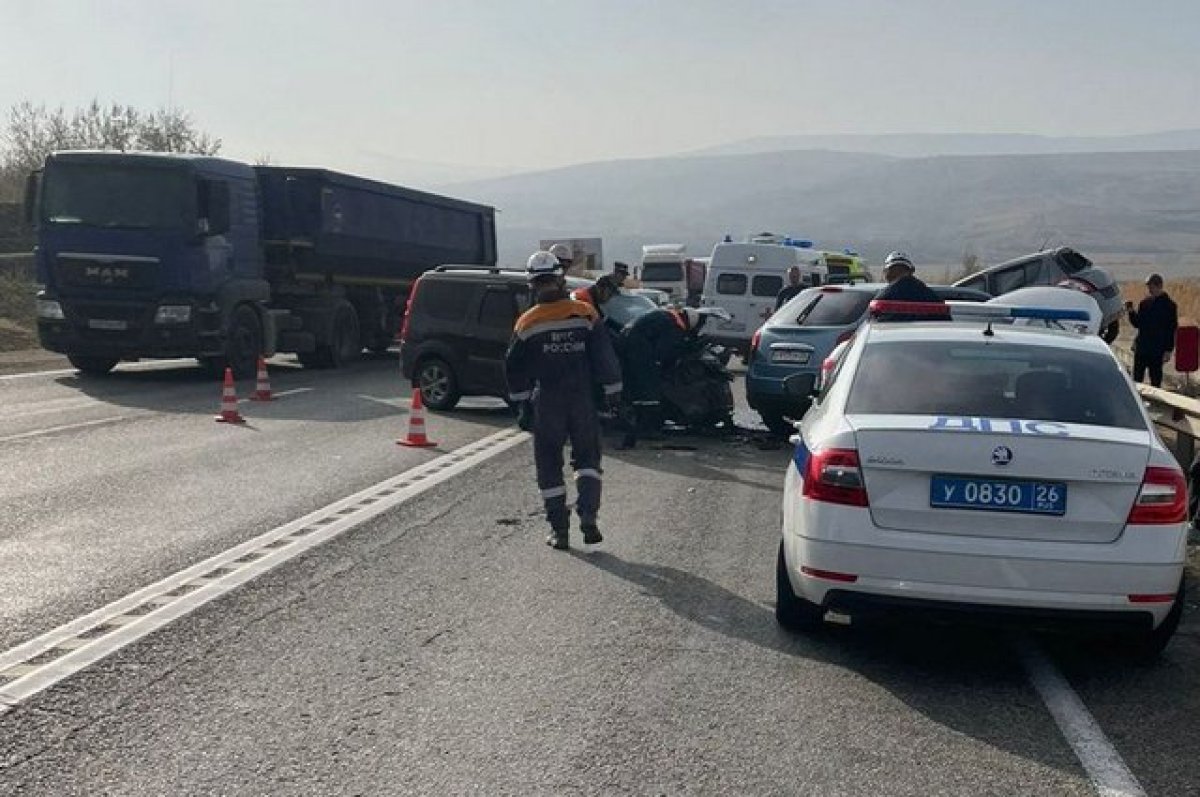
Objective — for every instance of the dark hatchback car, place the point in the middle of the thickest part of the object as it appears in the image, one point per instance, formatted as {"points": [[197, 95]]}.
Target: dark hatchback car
{"points": [[787, 352], [459, 323]]}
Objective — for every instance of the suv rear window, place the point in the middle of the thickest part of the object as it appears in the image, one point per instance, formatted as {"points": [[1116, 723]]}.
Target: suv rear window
{"points": [[992, 380], [444, 300], [833, 308]]}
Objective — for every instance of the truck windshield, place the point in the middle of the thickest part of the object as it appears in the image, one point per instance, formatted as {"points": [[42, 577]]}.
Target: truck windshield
{"points": [[662, 272], [107, 195]]}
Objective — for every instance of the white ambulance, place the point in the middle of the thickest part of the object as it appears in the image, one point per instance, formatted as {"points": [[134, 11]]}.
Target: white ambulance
{"points": [[744, 279]]}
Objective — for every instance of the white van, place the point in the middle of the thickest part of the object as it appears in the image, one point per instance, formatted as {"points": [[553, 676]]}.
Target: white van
{"points": [[663, 268], [745, 278]]}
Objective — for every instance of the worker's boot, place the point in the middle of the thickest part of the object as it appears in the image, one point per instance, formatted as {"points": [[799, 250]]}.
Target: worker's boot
{"points": [[560, 525], [591, 532], [557, 538]]}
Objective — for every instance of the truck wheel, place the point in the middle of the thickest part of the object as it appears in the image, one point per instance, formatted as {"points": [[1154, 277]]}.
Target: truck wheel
{"points": [[244, 344], [439, 388], [344, 345], [92, 366]]}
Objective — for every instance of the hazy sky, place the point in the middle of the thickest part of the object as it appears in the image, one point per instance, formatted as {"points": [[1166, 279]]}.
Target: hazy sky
{"points": [[356, 83]]}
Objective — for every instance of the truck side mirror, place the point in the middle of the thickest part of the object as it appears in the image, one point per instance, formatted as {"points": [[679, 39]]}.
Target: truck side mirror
{"points": [[213, 207], [32, 182]]}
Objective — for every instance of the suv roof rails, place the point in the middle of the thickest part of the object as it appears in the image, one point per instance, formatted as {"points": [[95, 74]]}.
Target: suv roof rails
{"points": [[489, 269]]}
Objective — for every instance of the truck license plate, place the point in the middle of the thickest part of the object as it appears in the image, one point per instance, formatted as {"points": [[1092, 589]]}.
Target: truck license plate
{"points": [[112, 325]]}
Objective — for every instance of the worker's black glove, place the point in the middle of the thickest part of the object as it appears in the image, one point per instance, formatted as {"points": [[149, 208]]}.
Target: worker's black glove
{"points": [[525, 416]]}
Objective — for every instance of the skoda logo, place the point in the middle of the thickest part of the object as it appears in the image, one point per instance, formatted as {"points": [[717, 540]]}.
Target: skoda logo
{"points": [[1001, 455]]}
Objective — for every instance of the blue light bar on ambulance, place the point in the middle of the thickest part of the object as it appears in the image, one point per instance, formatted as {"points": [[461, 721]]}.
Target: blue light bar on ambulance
{"points": [[973, 310]]}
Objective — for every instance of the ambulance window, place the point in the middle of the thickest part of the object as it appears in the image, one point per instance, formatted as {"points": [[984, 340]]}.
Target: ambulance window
{"points": [[766, 285], [731, 284]]}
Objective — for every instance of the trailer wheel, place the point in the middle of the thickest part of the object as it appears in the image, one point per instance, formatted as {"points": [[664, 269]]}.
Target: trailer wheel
{"points": [[92, 366], [346, 344], [244, 344], [439, 388]]}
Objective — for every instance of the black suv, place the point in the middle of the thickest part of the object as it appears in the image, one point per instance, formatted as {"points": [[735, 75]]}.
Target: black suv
{"points": [[457, 329]]}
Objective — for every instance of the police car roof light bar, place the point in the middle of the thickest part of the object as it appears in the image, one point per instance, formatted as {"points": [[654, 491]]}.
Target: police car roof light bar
{"points": [[979, 310]]}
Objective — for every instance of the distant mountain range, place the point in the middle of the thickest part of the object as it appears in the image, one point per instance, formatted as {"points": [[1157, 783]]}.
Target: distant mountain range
{"points": [[1128, 209], [924, 145]]}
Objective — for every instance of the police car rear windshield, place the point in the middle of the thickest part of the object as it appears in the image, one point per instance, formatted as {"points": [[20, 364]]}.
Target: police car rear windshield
{"points": [[992, 380], [818, 308]]}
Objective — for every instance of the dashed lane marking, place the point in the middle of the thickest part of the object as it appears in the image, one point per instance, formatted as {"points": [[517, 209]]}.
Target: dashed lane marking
{"points": [[69, 427], [1103, 764], [40, 663]]}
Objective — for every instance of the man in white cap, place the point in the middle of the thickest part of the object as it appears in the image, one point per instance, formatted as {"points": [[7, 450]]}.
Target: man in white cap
{"points": [[903, 285]]}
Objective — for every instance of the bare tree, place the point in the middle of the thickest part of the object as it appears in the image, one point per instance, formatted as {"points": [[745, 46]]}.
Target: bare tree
{"points": [[34, 131]]}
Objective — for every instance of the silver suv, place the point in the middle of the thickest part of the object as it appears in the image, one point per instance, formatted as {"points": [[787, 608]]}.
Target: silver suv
{"points": [[1063, 266]]}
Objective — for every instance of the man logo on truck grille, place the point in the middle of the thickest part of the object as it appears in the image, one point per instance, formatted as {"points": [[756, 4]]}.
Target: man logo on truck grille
{"points": [[106, 274], [1001, 455]]}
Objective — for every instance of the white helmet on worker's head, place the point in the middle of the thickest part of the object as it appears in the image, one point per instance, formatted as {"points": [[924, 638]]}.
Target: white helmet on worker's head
{"points": [[693, 318], [543, 264], [562, 252], [899, 260]]}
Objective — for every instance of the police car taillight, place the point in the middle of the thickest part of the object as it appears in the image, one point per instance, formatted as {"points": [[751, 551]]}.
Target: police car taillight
{"points": [[834, 476], [754, 341], [1162, 500]]}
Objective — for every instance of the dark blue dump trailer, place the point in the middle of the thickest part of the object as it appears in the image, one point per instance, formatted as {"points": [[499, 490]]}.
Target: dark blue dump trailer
{"points": [[152, 255]]}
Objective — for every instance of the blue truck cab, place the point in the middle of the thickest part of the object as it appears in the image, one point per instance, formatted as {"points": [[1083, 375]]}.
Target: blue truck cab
{"points": [[168, 255]]}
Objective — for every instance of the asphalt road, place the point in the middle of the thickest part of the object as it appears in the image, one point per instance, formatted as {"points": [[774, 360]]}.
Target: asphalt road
{"points": [[442, 648]]}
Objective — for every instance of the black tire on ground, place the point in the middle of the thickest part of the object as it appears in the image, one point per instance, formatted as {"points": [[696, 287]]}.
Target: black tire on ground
{"points": [[791, 611], [244, 344], [1149, 645], [776, 423], [1110, 332], [439, 387], [92, 366]]}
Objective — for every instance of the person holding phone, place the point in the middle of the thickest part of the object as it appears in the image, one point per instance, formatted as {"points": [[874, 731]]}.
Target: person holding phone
{"points": [[1155, 318]]}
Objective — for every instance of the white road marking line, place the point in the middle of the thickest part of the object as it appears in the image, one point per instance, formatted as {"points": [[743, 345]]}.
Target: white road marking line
{"points": [[279, 394], [1095, 752], [42, 662], [64, 428], [146, 366], [59, 405]]}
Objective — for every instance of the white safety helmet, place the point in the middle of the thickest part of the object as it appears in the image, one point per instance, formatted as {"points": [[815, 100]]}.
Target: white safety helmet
{"points": [[562, 252], [898, 259], [542, 264], [693, 317]]}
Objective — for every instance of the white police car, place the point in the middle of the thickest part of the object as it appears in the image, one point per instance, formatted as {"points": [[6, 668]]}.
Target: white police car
{"points": [[976, 467]]}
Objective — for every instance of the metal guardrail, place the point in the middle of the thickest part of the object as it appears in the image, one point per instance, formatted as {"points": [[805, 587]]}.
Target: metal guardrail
{"points": [[1178, 414]]}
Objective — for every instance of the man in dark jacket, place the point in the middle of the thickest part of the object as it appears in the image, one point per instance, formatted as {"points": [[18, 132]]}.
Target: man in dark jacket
{"points": [[1155, 319], [790, 290], [903, 286], [559, 350], [651, 343]]}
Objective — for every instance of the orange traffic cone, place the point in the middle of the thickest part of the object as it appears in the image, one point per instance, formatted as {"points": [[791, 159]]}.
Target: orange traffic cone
{"points": [[416, 425], [262, 390], [229, 408]]}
